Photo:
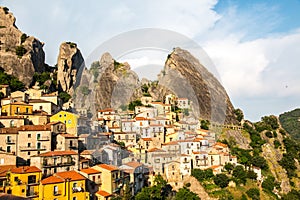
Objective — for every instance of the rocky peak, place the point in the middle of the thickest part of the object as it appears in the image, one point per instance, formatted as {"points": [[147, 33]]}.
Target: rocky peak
{"points": [[187, 77], [20, 55], [70, 65]]}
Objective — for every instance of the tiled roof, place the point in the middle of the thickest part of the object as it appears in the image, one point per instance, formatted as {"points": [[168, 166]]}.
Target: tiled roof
{"points": [[171, 143], [57, 153], [5, 168], [52, 180], [9, 130], [133, 164], [220, 144], [26, 169], [140, 118], [38, 101], [103, 193], [106, 110], [86, 152], [155, 150], [11, 117], [147, 139], [35, 128], [108, 167], [90, 171], [72, 175]]}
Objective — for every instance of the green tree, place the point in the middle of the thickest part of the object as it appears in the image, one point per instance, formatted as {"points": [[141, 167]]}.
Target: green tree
{"points": [[269, 183], [204, 124], [133, 104], [202, 175], [292, 195], [127, 193], [64, 96], [229, 167], [221, 180], [259, 161], [185, 193], [251, 175], [240, 175], [239, 114], [253, 193]]}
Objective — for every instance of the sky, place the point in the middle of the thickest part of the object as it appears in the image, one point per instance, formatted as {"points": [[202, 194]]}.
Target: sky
{"points": [[254, 44]]}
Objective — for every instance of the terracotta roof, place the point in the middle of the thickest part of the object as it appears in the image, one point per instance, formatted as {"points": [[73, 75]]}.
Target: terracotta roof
{"points": [[5, 168], [9, 130], [26, 169], [52, 180], [171, 143], [156, 149], [11, 117], [86, 152], [147, 139], [19, 103], [133, 164], [108, 167], [57, 153], [140, 118], [39, 101], [74, 176], [103, 193], [220, 144], [106, 110], [90, 171], [53, 94], [35, 128]]}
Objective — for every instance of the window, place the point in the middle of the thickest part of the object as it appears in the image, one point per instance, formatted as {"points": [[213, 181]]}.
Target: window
{"points": [[69, 121], [18, 109], [38, 136], [71, 143], [27, 110], [28, 153], [55, 190], [59, 115], [12, 123], [41, 107], [31, 179], [28, 144], [74, 184], [8, 149], [29, 135], [74, 198]]}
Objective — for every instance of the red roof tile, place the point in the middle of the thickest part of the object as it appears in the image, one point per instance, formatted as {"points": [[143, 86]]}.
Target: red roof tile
{"points": [[74, 176], [52, 180], [90, 171], [5, 168], [103, 193], [57, 153], [26, 169], [108, 167]]}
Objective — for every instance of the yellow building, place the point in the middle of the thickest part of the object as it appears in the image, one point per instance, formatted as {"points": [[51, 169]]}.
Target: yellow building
{"points": [[16, 109], [24, 182], [64, 185], [70, 119], [113, 178]]}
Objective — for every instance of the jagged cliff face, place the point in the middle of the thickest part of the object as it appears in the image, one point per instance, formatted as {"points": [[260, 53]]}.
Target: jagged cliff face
{"points": [[110, 84], [20, 56], [186, 77], [70, 65]]}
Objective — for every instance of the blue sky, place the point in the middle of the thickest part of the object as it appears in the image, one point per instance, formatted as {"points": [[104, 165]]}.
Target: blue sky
{"points": [[255, 45]]}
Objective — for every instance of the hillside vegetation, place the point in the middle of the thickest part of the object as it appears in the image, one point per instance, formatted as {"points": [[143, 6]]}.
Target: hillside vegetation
{"points": [[290, 122]]}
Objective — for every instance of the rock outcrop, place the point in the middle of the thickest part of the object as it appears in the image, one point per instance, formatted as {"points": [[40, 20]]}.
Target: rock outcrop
{"points": [[70, 65], [109, 84], [187, 77], [20, 55]]}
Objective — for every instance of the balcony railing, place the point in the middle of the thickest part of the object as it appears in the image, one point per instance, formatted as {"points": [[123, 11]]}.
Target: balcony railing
{"points": [[32, 148], [61, 164], [44, 138], [10, 141], [77, 189], [31, 183], [32, 194]]}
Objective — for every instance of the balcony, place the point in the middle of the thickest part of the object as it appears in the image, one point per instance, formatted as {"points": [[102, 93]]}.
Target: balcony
{"points": [[44, 138], [10, 141], [32, 148], [33, 183], [77, 189], [61, 164], [32, 194]]}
